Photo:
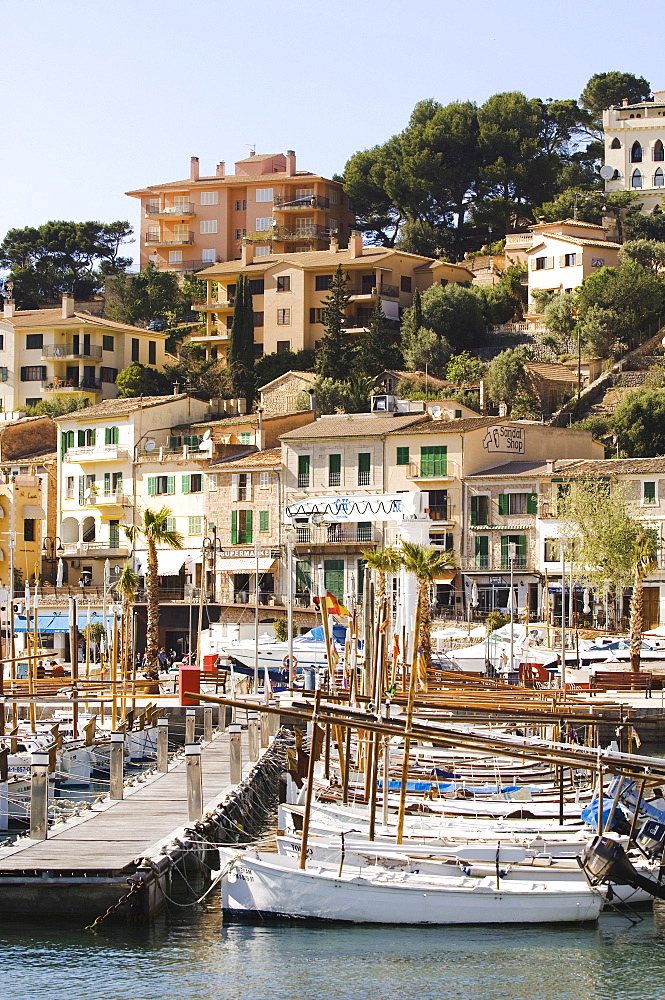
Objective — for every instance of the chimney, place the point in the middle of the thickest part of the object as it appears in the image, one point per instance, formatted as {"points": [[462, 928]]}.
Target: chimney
{"points": [[334, 243], [247, 252], [194, 168], [355, 244], [221, 169], [290, 162], [551, 466], [8, 310], [68, 305]]}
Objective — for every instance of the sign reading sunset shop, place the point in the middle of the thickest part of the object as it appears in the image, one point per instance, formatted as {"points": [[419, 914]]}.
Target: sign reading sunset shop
{"points": [[509, 440]]}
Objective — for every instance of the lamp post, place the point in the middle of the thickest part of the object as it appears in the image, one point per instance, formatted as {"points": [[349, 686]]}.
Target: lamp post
{"points": [[52, 549], [562, 542], [290, 536], [512, 552], [210, 547]]}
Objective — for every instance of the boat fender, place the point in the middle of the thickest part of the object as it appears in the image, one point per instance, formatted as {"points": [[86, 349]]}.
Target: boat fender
{"points": [[285, 662]]}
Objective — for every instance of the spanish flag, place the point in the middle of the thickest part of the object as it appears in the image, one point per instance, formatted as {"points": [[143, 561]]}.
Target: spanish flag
{"points": [[334, 607]]}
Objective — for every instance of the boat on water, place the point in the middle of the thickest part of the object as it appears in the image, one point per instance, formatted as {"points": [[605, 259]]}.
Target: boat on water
{"points": [[259, 883], [309, 652]]}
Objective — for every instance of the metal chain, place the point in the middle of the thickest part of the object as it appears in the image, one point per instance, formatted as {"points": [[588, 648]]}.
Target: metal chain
{"points": [[135, 886]]}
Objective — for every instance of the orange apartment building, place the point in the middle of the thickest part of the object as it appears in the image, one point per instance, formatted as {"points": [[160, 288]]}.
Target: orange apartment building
{"points": [[189, 224], [289, 291]]}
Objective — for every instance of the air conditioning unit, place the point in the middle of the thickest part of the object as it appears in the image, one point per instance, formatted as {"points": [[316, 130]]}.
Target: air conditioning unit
{"points": [[19, 608]]}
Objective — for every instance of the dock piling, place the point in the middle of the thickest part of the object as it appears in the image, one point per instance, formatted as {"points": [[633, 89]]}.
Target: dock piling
{"points": [[190, 725], [235, 752], [194, 781], [117, 765], [253, 735], [207, 724], [265, 730], [39, 765], [162, 745]]}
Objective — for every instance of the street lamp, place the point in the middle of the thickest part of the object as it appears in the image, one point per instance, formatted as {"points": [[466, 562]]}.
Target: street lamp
{"points": [[210, 547], [563, 539], [290, 536], [52, 547], [512, 552]]}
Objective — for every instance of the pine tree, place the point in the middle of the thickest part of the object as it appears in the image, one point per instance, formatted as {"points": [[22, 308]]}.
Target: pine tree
{"points": [[377, 352], [334, 357], [241, 350], [417, 307]]}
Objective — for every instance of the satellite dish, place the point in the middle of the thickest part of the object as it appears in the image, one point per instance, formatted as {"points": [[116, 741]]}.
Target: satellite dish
{"points": [[607, 172], [149, 445], [206, 436], [205, 446], [436, 413]]}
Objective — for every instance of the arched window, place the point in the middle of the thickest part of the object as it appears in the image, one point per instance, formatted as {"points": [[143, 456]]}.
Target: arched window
{"points": [[615, 144], [658, 150], [636, 179], [659, 178], [636, 153], [616, 176]]}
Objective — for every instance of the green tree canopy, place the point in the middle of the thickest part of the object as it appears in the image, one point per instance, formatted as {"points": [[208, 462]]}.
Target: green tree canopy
{"points": [[271, 366], [377, 351], [464, 367], [209, 378], [639, 422], [454, 313], [241, 350], [616, 304], [140, 380], [151, 294], [506, 377], [605, 89], [350, 395], [335, 353]]}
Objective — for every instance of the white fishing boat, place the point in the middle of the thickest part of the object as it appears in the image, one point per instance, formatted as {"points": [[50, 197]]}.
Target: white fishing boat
{"points": [[309, 651], [258, 883]]}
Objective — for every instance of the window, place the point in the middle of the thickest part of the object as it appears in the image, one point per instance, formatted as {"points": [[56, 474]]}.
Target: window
{"points": [[480, 509], [264, 194], [544, 263], [332, 225], [434, 460], [615, 144], [569, 259], [34, 341], [442, 539], [659, 178], [69, 494], [551, 550], [32, 401], [658, 150], [264, 480], [405, 283], [114, 534], [108, 374], [241, 486], [111, 435], [152, 234], [240, 233], [649, 493], [246, 437], [263, 224], [2, 341], [284, 283], [481, 552], [264, 520], [258, 349], [261, 251], [258, 318], [322, 282], [212, 482], [283, 317], [636, 179], [519, 562], [303, 578], [170, 523], [333, 196], [317, 315], [192, 483], [28, 529], [152, 352], [283, 345], [303, 471], [135, 349], [175, 256], [403, 455], [364, 468], [458, 414], [207, 226], [208, 256], [33, 373], [518, 503], [194, 525], [241, 527], [4, 373], [108, 342], [152, 206], [209, 198], [334, 470], [437, 505], [241, 206], [616, 176], [256, 286], [157, 485], [636, 153]]}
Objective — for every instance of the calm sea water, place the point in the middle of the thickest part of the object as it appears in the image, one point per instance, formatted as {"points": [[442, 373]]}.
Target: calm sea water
{"points": [[197, 957]]}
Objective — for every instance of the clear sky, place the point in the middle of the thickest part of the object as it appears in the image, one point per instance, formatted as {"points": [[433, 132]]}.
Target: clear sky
{"points": [[108, 95]]}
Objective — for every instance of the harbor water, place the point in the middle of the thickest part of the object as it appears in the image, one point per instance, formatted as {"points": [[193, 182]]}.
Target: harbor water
{"points": [[197, 956]]}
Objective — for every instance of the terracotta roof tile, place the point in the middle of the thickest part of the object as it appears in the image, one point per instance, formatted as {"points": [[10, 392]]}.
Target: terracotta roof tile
{"points": [[53, 317], [120, 407], [354, 425], [256, 460], [459, 426]]}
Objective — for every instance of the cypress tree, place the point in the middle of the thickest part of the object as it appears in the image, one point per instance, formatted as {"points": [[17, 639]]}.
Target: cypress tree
{"points": [[334, 357], [376, 352], [241, 350]]}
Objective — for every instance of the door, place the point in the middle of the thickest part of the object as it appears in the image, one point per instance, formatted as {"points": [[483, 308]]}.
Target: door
{"points": [[114, 534], [651, 612], [86, 343], [72, 373], [89, 375], [333, 577]]}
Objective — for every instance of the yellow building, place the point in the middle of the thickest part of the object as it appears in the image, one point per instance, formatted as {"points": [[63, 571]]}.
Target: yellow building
{"points": [[289, 291], [191, 223]]}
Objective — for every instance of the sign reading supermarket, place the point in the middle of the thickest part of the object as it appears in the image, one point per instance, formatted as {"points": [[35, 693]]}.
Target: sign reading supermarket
{"points": [[509, 440]]}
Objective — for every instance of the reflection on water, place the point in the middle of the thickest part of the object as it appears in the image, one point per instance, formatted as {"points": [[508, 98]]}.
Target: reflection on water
{"points": [[202, 960]]}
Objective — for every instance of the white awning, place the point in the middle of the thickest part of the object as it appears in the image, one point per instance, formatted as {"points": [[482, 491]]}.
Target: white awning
{"points": [[245, 565], [33, 511], [170, 561]]}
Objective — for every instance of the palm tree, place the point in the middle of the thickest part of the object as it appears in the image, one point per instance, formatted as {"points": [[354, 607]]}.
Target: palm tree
{"points": [[645, 561], [381, 562], [426, 563], [155, 530], [126, 586]]}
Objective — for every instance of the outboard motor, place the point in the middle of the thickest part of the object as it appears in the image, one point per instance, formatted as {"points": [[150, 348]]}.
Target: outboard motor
{"points": [[651, 838], [605, 860]]}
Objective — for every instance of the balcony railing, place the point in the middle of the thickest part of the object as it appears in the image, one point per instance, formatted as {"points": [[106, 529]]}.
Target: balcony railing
{"points": [[432, 468], [95, 453], [338, 534], [212, 306], [311, 201], [499, 565], [70, 351], [288, 233], [171, 240], [184, 265], [71, 385], [167, 211], [440, 512], [385, 291]]}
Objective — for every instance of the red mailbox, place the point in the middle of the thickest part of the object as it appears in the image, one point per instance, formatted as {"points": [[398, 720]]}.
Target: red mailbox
{"points": [[189, 679]]}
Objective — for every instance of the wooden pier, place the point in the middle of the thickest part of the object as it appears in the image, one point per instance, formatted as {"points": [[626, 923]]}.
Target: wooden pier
{"points": [[88, 864]]}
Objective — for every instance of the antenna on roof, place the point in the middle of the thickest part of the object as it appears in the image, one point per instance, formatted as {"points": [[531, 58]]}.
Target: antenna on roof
{"points": [[252, 148]]}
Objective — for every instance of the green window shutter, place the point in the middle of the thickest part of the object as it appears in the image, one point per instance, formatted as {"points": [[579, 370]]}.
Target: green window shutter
{"points": [[63, 444], [194, 525], [107, 435], [174, 442], [93, 436], [264, 519], [521, 548], [532, 503], [185, 484], [481, 545], [170, 523], [504, 551], [118, 483], [81, 439], [458, 414], [364, 461], [234, 527], [81, 489], [152, 486], [334, 465], [474, 511], [303, 470], [248, 527], [303, 574], [403, 456], [504, 502], [649, 492], [70, 439], [434, 460], [170, 484], [107, 483]]}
